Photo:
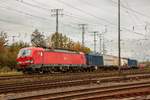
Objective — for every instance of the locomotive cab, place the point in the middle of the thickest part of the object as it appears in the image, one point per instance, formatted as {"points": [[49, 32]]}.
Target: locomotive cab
{"points": [[24, 57], [29, 58]]}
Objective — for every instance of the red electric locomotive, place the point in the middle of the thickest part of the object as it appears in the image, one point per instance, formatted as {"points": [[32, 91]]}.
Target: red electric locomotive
{"points": [[34, 59]]}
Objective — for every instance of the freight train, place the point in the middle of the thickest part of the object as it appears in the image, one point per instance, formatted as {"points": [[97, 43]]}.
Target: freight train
{"points": [[110, 62], [35, 59]]}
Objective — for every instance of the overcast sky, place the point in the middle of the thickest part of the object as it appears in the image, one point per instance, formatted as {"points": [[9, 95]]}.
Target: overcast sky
{"points": [[21, 17]]}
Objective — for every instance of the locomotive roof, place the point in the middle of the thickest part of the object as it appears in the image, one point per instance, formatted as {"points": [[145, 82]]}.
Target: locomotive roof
{"points": [[62, 50], [34, 48], [53, 50]]}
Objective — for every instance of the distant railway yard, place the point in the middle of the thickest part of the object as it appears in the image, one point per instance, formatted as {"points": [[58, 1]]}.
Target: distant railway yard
{"points": [[129, 85]]}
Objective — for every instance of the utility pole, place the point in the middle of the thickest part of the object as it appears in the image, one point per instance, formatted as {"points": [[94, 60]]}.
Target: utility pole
{"points": [[119, 47], [95, 42], [103, 45], [83, 26], [100, 42], [13, 38], [57, 13], [95, 33]]}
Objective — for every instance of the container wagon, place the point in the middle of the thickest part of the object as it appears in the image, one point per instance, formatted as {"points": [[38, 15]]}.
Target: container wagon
{"points": [[124, 63], [94, 60], [110, 62], [132, 63]]}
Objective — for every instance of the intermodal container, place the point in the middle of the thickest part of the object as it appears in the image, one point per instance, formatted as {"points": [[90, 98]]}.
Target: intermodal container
{"points": [[94, 60], [110, 60], [132, 63]]}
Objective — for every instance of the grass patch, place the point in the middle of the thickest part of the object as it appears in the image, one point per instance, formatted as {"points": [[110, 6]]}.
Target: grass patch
{"points": [[11, 73], [6, 71]]}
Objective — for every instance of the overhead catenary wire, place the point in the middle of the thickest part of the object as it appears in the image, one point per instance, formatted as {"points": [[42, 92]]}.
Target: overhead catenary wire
{"points": [[33, 5], [31, 15], [39, 7], [82, 20], [128, 13], [47, 9], [121, 26], [67, 4], [99, 18], [22, 12], [134, 14], [132, 10], [72, 19], [126, 29], [85, 12]]}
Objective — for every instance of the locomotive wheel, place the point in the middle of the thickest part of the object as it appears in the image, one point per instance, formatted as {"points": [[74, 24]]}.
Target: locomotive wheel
{"points": [[27, 72], [24, 72], [41, 71], [94, 68]]}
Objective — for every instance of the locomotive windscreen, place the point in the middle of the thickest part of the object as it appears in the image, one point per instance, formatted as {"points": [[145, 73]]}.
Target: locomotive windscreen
{"points": [[24, 52]]}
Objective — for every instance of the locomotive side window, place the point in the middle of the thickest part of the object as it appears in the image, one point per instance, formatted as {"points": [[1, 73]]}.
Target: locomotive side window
{"points": [[40, 53], [24, 52]]}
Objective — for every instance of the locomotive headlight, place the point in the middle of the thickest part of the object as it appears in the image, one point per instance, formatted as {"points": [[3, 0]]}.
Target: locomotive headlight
{"points": [[29, 61], [18, 62]]}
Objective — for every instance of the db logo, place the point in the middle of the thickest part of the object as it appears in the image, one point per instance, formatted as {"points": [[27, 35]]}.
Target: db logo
{"points": [[65, 58]]}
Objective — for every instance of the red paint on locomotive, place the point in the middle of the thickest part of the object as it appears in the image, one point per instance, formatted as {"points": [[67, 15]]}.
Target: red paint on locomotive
{"points": [[34, 56]]}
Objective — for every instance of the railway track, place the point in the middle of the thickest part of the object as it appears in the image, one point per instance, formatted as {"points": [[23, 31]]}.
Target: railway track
{"points": [[97, 93], [49, 84], [100, 73], [120, 92]]}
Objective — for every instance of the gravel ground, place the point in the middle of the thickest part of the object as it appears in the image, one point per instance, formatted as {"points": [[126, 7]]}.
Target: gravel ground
{"points": [[32, 93], [63, 76]]}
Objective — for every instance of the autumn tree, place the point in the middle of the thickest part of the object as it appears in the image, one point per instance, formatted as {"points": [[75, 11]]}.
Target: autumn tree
{"points": [[12, 52], [62, 41], [3, 50], [57, 40], [8, 53], [3, 40], [78, 47]]}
